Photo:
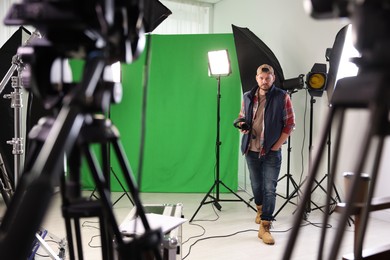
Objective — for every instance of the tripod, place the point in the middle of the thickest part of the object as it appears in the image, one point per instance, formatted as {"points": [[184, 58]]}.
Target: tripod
{"points": [[351, 93], [33, 194], [106, 154], [318, 184], [217, 182], [331, 184], [288, 177]]}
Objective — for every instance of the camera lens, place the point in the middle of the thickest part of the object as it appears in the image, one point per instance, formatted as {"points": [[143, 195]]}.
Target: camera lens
{"points": [[245, 126]]}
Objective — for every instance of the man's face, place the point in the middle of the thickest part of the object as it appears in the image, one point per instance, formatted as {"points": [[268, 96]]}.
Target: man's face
{"points": [[265, 80]]}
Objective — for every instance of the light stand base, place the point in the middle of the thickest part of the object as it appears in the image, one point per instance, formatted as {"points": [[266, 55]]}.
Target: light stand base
{"points": [[216, 200], [120, 197]]}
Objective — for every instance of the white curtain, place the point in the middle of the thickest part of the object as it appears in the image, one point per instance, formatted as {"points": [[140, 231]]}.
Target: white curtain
{"points": [[188, 17], [5, 31]]}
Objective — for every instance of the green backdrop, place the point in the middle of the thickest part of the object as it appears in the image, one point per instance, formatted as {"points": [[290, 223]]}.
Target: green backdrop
{"points": [[181, 116]]}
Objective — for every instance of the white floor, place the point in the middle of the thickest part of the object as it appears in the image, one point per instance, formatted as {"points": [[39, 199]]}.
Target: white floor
{"points": [[227, 234]]}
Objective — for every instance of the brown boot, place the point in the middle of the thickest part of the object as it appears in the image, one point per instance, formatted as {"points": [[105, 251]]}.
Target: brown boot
{"points": [[264, 232], [259, 212]]}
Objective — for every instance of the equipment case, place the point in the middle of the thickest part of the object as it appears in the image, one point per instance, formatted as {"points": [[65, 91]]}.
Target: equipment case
{"points": [[171, 244]]}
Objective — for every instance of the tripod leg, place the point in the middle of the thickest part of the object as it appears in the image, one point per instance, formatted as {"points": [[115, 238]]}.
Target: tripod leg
{"points": [[362, 226], [203, 201], [292, 195], [153, 237], [101, 186], [376, 114], [130, 182], [5, 183], [249, 205], [309, 183], [123, 188], [331, 180]]}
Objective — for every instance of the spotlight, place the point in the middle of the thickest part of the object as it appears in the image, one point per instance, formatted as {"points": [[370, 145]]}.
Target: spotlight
{"points": [[316, 79], [219, 63]]}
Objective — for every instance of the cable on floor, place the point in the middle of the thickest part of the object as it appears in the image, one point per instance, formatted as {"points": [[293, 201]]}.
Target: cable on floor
{"points": [[308, 223]]}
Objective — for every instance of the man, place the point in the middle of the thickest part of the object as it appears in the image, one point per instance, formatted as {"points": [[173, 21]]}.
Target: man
{"points": [[267, 119]]}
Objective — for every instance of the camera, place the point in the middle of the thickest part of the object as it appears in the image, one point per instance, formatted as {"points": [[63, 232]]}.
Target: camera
{"points": [[241, 123]]}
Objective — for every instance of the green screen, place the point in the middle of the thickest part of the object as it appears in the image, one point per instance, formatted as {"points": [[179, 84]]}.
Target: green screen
{"points": [[181, 116]]}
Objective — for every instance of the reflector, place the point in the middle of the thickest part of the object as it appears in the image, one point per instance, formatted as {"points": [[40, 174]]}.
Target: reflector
{"points": [[316, 79]]}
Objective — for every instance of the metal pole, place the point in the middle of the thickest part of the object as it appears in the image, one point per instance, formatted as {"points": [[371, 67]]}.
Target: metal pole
{"points": [[17, 105], [218, 143]]}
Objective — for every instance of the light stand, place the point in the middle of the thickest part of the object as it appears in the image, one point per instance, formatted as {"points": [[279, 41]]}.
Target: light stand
{"points": [[219, 65], [289, 177], [6, 187], [316, 83], [16, 104], [114, 74], [336, 199]]}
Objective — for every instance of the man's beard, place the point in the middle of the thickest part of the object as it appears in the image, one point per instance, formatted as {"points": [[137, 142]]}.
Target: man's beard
{"points": [[264, 87]]}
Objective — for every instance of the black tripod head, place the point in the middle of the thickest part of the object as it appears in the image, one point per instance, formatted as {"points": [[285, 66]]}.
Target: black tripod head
{"points": [[77, 28], [111, 30]]}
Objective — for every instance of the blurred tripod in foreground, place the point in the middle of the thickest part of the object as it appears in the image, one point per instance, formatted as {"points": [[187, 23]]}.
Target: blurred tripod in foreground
{"points": [[368, 90], [100, 33]]}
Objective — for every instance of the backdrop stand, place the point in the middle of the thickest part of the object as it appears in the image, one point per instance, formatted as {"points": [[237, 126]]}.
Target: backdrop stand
{"points": [[216, 199]]}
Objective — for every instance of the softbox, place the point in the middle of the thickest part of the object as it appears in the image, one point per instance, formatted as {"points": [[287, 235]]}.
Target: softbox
{"points": [[155, 14], [251, 53]]}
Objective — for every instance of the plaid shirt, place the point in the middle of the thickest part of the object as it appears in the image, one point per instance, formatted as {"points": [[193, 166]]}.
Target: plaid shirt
{"points": [[289, 116]]}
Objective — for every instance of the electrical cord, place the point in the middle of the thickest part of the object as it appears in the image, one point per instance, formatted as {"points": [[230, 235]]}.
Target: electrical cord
{"points": [[85, 224], [308, 223], [212, 237]]}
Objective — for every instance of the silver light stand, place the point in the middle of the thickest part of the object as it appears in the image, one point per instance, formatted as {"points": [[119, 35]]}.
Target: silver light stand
{"points": [[17, 105], [17, 143]]}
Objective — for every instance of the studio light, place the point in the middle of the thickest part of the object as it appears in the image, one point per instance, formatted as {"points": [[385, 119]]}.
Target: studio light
{"points": [[294, 83], [341, 60], [219, 63], [316, 79]]}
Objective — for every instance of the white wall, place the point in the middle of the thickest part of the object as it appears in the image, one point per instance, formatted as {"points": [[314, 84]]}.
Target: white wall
{"points": [[299, 41]]}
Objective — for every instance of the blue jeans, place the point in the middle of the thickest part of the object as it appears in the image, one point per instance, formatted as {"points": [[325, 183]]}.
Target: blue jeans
{"points": [[264, 174]]}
